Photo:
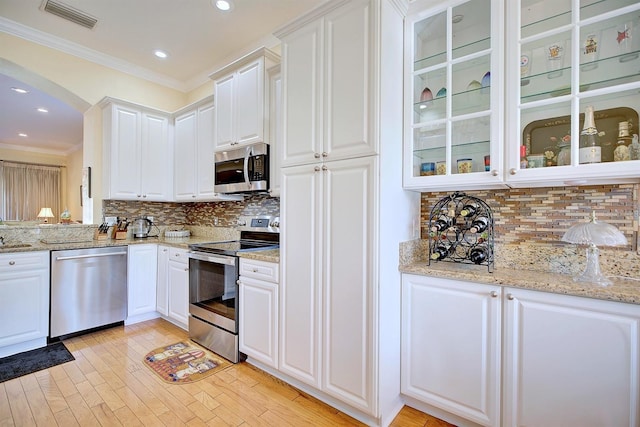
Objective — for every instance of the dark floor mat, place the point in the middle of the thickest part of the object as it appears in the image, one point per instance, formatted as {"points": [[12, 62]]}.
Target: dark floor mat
{"points": [[20, 364]]}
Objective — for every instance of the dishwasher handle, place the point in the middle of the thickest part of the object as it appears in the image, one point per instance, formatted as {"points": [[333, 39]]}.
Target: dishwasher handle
{"points": [[64, 258]]}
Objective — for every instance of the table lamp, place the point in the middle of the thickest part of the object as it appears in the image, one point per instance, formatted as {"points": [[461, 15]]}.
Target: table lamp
{"points": [[45, 213], [594, 233]]}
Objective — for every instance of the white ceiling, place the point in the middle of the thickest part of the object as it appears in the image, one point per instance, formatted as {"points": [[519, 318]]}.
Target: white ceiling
{"points": [[198, 38]]}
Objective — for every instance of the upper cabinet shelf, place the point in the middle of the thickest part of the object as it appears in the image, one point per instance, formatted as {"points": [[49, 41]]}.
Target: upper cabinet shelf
{"points": [[560, 57], [453, 87]]}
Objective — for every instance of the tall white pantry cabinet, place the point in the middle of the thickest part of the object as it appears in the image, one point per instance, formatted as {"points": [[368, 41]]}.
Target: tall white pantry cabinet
{"points": [[343, 210]]}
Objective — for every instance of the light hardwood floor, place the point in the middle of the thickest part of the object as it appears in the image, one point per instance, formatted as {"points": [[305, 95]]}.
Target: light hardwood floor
{"points": [[109, 385]]}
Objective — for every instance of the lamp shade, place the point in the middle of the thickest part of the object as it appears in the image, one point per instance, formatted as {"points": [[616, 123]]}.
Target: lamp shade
{"points": [[594, 232], [45, 213]]}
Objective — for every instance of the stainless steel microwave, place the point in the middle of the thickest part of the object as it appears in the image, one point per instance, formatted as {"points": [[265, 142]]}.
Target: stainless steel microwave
{"points": [[242, 170]]}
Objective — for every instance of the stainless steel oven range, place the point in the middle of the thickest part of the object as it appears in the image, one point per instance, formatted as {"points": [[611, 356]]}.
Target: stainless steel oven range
{"points": [[213, 287]]}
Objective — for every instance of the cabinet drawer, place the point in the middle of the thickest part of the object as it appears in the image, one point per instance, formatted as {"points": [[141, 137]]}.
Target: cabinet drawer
{"points": [[179, 255], [23, 261], [262, 270]]}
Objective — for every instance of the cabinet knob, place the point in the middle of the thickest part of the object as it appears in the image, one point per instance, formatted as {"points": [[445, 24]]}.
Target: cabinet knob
{"points": [[193, 196], [324, 154], [164, 250], [494, 172], [317, 168], [144, 196], [316, 155], [186, 269], [324, 168], [512, 171], [494, 294], [138, 195], [255, 270], [510, 297], [12, 263]]}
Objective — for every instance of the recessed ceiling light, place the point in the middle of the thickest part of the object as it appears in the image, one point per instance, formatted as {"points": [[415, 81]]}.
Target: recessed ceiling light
{"points": [[19, 90], [160, 54], [223, 4], [43, 110], [23, 135]]}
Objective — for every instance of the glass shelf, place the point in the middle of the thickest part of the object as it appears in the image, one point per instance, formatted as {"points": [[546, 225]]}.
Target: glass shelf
{"points": [[459, 52]]}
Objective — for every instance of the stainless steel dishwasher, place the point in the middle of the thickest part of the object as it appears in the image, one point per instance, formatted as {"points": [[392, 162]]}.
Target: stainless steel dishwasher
{"points": [[88, 289]]}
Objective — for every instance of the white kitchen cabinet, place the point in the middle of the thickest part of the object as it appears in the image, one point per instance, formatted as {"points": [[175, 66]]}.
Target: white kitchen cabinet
{"points": [[451, 345], [454, 95], [275, 128], [343, 210], [137, 153], [24, 301], [327, 325], [173, 285], [570, 361], [162, 288], [178, 287], [258, 311], [577, 55], [241, 113], [329, 75], [567, 360], [142, 270], [193, 154]]}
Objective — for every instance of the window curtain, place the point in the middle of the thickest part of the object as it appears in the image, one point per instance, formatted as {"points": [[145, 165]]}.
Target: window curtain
{"points": [[26, 188]]}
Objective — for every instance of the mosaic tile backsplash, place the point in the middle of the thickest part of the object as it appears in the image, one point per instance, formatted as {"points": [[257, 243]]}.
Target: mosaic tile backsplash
{"points": [[529, 223], [212, 214]]}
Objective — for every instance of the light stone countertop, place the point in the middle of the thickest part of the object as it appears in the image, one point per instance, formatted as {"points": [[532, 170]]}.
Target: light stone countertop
{"points": [[622, 290], [268, 255]]}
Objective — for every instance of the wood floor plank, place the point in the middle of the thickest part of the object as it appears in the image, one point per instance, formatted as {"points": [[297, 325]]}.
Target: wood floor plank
{"points": [[108, 384], [20, 411], [39, 407], [52, 393], [105, 415], [65, 418], [80, 410]]}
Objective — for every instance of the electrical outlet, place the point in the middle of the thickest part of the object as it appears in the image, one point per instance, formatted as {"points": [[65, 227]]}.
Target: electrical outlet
{"points": [[111, 220]]}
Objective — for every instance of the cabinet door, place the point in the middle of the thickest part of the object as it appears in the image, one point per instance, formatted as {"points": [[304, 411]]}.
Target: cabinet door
{"points": [[142, 270], [249, 104], [349, 82], [451, 346], [205, 149], [224, 113], [186, 131], [302, 95], [301, 273], [570, 361], [348, 250], [275, 129], [453, 96], [258, 320], [179, 292], [563, 56], [162, 288], [156, 163], [24, 306], [124, 146]]}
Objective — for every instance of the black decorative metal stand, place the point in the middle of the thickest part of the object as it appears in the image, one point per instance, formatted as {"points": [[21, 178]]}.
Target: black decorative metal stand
{"points": [[461, 230]]}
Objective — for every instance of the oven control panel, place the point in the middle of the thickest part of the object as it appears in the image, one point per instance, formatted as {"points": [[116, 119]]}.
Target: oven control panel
{"points": [[265, 223]]}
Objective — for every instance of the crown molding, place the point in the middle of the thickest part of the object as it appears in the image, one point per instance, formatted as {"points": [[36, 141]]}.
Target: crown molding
{"points": [[36, 36]]}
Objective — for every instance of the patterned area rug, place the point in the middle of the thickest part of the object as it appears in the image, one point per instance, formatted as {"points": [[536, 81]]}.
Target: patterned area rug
{"points": [[182, 363], [34, 360]]}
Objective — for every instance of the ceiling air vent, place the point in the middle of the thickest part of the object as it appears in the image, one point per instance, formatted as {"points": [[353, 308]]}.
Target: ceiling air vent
{"points": [[69, 13]]}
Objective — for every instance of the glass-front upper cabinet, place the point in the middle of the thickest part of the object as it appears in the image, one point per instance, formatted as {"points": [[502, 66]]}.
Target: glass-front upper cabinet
{"points": [[453, 95], [573, 91]]}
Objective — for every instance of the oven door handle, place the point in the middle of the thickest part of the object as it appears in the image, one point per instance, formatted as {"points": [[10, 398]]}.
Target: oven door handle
{"points": [[213, 258], [247, 154]]}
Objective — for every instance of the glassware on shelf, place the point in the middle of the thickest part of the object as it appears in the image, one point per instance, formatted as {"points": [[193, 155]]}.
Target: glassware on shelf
{"points": [[590, 149], [525, 68], [465, 165], [555, 59], [564, 155], [625, 38], [590, 51], [524, 163], [441, 168]]}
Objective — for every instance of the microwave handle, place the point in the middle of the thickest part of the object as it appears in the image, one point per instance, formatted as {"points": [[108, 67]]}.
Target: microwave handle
{"points": [[247, 154]]}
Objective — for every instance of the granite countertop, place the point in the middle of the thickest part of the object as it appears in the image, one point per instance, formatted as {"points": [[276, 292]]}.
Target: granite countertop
{"points": [[272, 255], [622, 290]]}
